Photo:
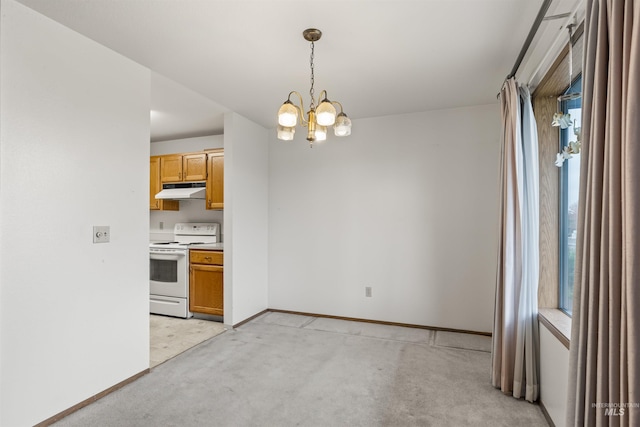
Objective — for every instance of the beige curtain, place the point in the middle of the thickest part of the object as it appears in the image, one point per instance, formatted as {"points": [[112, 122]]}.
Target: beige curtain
{"points": [[604, 380], [514, 364]]}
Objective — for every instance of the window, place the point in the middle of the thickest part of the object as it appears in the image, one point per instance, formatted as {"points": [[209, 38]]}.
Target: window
{"points": [[569, 191]]}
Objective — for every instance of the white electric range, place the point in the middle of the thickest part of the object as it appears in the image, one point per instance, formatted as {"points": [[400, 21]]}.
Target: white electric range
{"points": [[169, 267]]}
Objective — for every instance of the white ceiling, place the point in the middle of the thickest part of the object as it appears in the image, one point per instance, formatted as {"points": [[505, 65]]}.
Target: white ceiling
{"points": [[179, 112], [377, 58]]}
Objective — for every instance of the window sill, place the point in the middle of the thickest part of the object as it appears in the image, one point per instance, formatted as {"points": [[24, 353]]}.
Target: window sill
{"points": [[557, 322]]}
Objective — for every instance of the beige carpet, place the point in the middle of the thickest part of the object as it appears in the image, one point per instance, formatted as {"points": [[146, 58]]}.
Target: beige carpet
{"points": [[170, 336], [463, 341], [290, 370]]}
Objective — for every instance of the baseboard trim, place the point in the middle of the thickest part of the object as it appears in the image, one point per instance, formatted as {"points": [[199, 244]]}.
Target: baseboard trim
{"points": [[249, 319], [90, 400], [546, 414], [380, 322]]}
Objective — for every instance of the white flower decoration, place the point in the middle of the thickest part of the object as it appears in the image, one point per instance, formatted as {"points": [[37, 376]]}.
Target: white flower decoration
{"points": [[574, 147], [568, 152], [562, 120]]}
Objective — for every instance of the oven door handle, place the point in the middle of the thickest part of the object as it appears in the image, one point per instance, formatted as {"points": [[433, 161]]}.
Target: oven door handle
{"points": [[160, 300], [165, 256]]}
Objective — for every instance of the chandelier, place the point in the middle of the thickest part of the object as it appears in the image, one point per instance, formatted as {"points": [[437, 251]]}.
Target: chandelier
{"points": [[319, 117]]}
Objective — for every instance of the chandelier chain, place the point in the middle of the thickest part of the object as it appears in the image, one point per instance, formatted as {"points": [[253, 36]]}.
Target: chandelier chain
{"points": [[312, 79]]}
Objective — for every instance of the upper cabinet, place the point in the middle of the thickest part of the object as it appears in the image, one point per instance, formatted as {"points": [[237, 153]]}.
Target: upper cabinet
{"points": [[205, 166], [215, 179], [155, 185], [194, 167], [183, 167]]}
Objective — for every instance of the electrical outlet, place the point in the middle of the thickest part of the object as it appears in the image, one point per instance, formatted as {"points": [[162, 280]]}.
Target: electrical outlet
{"points": [[101, 233], [161, 225], [367, 291]]}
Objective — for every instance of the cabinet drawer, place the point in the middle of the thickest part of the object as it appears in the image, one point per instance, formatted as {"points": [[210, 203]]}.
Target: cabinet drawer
{"points": [[206, 257]]}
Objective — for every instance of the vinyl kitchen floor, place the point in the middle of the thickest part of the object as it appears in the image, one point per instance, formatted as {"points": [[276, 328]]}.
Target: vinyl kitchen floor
{"points": [[170, 336]]}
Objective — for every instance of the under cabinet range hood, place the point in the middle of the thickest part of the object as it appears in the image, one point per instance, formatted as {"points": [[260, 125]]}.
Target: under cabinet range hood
{"points": [[182, 191]]}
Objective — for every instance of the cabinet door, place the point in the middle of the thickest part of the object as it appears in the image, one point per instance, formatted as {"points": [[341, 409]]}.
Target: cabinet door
{"points": [[194, 167], [154, 182], [215, 180], [171, 168], [206, 289], [155, 186]]}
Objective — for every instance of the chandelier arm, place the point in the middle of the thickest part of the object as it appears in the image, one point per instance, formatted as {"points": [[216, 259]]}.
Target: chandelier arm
{"points": [[340, 105], [291, 93], [300, 108]]}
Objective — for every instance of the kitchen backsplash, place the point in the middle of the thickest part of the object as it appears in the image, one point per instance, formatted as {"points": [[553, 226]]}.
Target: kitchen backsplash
{"points": [[161, 222]]}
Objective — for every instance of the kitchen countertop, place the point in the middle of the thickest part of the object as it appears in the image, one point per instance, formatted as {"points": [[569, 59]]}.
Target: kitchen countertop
{"points": [[208, 246]]}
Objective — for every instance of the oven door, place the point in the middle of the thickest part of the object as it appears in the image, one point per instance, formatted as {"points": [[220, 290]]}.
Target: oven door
{"points": [[168, 273]]}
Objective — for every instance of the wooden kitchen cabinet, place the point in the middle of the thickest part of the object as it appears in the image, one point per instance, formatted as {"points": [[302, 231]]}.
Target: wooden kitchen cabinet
{"points": [[206, 284], [171, 168], [183, 167], [155, 185], [215, 179], [194, 167]]}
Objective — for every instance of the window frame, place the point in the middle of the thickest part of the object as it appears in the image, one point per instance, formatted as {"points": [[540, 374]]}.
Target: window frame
{"points": [[565, 302], [552, 84]]}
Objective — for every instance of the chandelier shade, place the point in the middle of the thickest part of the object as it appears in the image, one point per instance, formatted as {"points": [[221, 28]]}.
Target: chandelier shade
{"points": [[288, 114], [343, 125], [320, 133], [318, 118], [286, 133], [326, 113]]}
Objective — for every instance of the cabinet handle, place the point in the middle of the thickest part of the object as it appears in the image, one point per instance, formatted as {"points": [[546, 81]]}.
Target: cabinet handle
{"points": [[208, 258]]}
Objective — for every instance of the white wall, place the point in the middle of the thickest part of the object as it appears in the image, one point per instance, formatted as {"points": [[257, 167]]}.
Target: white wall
{"points": [[554, 376], [190, 210], [407, 205], [74, 148], [246, 177], [187, 145]]}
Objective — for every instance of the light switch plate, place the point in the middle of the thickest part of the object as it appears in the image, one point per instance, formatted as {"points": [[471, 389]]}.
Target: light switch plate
{"points": [[101, 233]]}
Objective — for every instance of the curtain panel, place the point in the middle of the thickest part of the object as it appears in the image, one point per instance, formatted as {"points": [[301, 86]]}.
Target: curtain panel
{"points": [[514, 365], [604, 374]]}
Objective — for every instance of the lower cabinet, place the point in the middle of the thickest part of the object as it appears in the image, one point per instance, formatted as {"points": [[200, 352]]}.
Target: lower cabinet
{"points": [[206, 273]]}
